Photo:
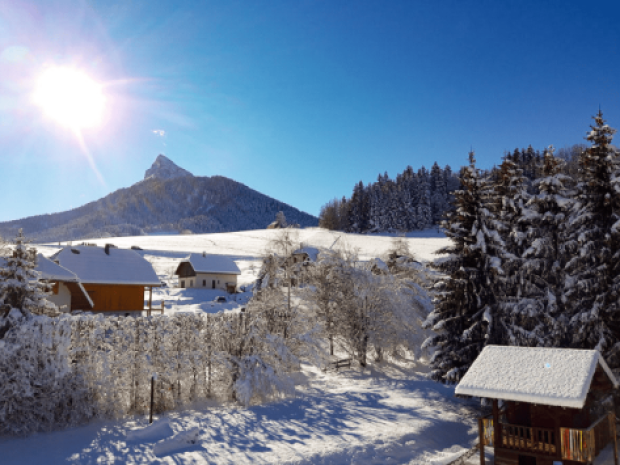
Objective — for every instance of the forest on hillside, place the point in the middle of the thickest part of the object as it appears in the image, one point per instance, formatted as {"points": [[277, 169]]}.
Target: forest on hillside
{"points": [[419, 200], [534, 258]]}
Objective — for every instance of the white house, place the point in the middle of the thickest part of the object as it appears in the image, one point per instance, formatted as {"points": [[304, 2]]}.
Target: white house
{"points": [[208, 272], [67, 291]]}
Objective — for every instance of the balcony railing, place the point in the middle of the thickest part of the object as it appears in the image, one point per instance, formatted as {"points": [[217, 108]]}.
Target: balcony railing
{"points": [[581, 445]]}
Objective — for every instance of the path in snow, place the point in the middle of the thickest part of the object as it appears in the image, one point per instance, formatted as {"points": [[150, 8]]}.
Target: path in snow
{"points": [[396, 416]]}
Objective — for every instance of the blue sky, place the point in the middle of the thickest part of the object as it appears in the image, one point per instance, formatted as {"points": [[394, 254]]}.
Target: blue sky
{"points": [[296, 99]]}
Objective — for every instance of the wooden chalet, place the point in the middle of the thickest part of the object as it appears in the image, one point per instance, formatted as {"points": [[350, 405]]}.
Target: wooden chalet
{"points": [[208, 271], [67, 291], [115, 279], [550, 406]]}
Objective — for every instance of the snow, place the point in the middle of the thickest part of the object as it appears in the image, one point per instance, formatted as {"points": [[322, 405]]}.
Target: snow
{"points": [[244, 245], [51, 271], [546, 376], [392, 414], [203, 263], [93, 266]]}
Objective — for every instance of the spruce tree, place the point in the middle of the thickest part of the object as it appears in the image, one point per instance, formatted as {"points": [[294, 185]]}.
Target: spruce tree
{"points": [[536, 316], [589, 273], [424, 214], [21, 292], [464, 302]]}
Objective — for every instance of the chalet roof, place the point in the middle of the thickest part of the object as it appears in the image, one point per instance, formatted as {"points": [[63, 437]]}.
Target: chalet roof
{"points": [[52, 271], [207, 263], [537, 375], [121, 266]]}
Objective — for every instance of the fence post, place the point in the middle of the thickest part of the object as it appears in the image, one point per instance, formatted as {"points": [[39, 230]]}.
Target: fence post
{"points": [[613, 432], [153, 378], [209, 334], [481, 439]]}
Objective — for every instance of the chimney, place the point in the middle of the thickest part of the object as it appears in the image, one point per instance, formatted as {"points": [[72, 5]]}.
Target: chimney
{"points": [[204, 254]]}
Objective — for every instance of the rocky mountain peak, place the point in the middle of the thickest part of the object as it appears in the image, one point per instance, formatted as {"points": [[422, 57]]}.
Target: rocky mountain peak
{"points": [[164, 168]]}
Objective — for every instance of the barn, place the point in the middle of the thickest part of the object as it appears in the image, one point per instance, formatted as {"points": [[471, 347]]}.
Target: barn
{"points": [[115, 279], [208, 272], [550, 405]]}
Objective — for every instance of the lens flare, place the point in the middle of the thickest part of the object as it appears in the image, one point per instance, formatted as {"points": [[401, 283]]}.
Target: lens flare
{"points": [[70, 97]]}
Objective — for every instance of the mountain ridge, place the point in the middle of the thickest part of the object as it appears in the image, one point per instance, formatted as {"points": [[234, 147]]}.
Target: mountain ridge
{"points": [[181, 203]]}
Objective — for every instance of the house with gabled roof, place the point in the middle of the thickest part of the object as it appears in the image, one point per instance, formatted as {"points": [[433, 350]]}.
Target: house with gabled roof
{"points": [[208, 271], [115, 279], [550, 405], [67, 291]]}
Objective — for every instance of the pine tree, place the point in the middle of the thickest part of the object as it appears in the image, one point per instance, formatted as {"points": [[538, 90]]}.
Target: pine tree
{"points": [[439, 194], [424, 214], [536, 316], [590, 272], [464, 303], [21, 292]]}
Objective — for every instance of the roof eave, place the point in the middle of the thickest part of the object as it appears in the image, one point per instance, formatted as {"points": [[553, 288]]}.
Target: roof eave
{"points": [[517, 397]]}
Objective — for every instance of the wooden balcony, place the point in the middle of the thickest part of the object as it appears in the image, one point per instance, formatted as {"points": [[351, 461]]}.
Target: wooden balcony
{"points": [[581, 445]]}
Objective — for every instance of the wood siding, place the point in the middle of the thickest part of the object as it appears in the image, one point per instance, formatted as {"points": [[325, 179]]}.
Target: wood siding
{"points": [[114, 298]]}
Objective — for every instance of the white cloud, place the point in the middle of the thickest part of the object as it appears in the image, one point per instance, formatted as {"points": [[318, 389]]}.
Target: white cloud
{"points": [[159, 132]]}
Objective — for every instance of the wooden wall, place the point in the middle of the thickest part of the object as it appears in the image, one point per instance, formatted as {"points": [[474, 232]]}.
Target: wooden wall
{"points": [[114, 298]]}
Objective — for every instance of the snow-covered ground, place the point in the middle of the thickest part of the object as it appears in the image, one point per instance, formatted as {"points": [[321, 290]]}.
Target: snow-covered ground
{"points": [[248, 245], [391, 414], [247, 248], [388, 415]]}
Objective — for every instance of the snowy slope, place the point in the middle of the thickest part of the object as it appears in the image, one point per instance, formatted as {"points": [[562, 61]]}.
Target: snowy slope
{"points": [[252, 244], [396, 416]]}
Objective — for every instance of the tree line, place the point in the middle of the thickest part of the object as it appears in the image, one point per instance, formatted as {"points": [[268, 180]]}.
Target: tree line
{"points": [[532, 262], [419, 200]]}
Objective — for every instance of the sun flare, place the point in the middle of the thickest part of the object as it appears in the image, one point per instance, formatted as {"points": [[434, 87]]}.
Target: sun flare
{"points": [[70, 97]]}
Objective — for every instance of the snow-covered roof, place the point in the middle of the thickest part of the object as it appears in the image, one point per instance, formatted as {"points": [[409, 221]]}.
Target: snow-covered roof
{"points": [[537, 375], [206, 263], [52, 271], [121, 266], [312, 252]]}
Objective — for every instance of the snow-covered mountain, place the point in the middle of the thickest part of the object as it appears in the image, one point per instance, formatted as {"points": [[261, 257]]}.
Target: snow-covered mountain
{"points": [[164, 168], [169, 199]]}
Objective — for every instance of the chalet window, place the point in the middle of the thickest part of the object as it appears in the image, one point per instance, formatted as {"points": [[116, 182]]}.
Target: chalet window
{"points": [[191, 283], [213, 284], [204, 283], [182, 283]]}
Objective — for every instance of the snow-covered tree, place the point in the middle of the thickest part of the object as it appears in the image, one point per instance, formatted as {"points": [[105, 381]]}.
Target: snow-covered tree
{"points": [[424, 216], [534, 314], [439, 193], [463, 318], [592, 246], [21, 292]]}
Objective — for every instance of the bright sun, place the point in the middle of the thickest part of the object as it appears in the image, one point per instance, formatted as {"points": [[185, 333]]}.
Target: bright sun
{"points": [[70, 97]]}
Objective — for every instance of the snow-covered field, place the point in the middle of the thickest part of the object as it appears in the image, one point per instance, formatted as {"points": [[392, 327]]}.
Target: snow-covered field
{"points": [[247, 248], [391, 414], [248, 245]]}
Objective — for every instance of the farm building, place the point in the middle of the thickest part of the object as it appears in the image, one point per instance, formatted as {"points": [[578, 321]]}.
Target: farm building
{"points": [[549, 405], [305, 254], [67, 291], [208, 271], [115, 279]]}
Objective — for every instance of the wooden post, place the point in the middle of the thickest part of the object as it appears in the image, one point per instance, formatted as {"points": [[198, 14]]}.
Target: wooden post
{"points": [[152, 397], [496, 432], [162, 307], [481, 439], [613, 432]]}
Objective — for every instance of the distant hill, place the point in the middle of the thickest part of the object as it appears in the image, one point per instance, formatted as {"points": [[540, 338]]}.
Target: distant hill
{"points": [[168, 199]]}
